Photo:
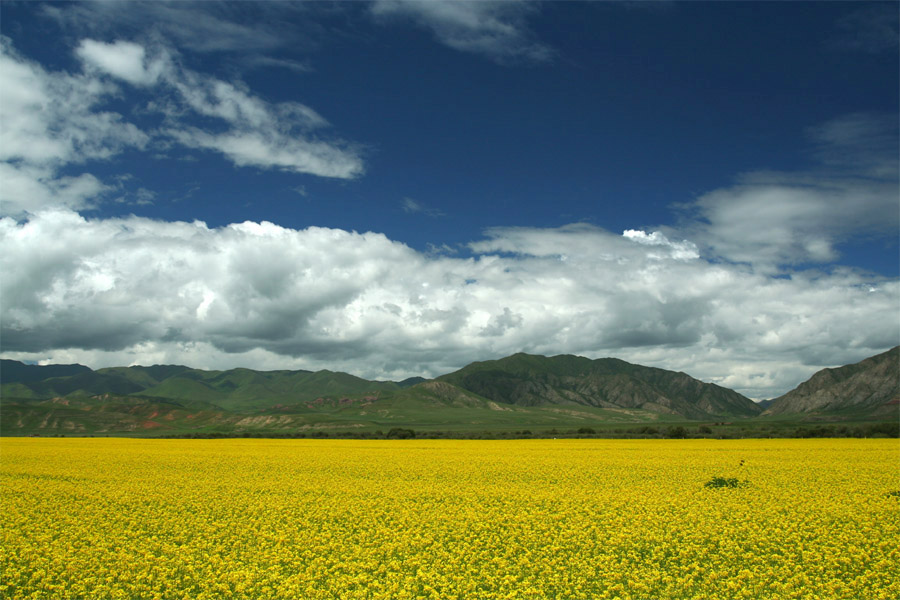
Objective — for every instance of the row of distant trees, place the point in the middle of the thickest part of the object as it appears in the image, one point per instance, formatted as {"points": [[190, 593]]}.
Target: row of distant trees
{"points": [[871, 430]]}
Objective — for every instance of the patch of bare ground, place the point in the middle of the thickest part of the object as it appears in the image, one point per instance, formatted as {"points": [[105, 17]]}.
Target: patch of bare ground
{"points": [[263, 421]]}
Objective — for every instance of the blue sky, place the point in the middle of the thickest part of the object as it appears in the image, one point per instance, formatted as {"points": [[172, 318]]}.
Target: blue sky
{"points": [[400, 188]]}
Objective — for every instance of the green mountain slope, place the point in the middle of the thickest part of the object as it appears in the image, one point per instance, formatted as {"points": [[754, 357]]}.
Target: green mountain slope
{"points": [[246, 390], [232, 390], [443, 402], [109, 414], [83, 384], [145, 376], [13, 371], [528, 380]]}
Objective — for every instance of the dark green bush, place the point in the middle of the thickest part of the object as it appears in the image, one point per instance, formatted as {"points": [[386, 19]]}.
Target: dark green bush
{"points": [[398, 433], [678, 432], [723, 482]]}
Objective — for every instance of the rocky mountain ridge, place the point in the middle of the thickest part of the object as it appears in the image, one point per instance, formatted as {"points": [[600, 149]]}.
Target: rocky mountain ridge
{"points": [[871, 386]]}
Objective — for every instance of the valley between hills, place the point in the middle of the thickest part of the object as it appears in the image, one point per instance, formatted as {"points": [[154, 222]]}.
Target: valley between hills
{"points": [[521, 395]]}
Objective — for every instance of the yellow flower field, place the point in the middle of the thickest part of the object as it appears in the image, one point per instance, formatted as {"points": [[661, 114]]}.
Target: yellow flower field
{"points": [[123, 518]]}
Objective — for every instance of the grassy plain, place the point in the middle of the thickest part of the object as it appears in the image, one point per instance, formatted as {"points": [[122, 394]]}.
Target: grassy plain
{"points": [[135, 518]]}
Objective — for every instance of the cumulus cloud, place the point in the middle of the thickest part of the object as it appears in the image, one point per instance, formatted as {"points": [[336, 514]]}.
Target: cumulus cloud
{"points": [[121, 59], [579, 240], [28, 189], [683, 250], [492, 28], [133, 290]]}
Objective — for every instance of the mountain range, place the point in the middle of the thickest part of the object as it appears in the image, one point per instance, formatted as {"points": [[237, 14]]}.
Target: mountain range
{"points": [[521, 390]]}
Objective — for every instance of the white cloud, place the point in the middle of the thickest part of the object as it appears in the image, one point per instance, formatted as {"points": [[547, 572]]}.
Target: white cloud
{"points": [[493, 28], [51, 120], [134, 290], [580, 239], [47, 121], [411, 206], [252, 148], [773, 219], [281, 63], [258, 133], [29, 189], [121, 59], [683, 250], [213, 97]]}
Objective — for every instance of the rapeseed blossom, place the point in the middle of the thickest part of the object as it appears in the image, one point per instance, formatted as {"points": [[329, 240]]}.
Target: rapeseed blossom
{"points": [[321, 519]]}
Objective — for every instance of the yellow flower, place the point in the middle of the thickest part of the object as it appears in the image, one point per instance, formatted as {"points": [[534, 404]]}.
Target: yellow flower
{"points": [[129, 518]]}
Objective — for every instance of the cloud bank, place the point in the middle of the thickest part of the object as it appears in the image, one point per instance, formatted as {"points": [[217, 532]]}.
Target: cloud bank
{"points": [[118, 291]]}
